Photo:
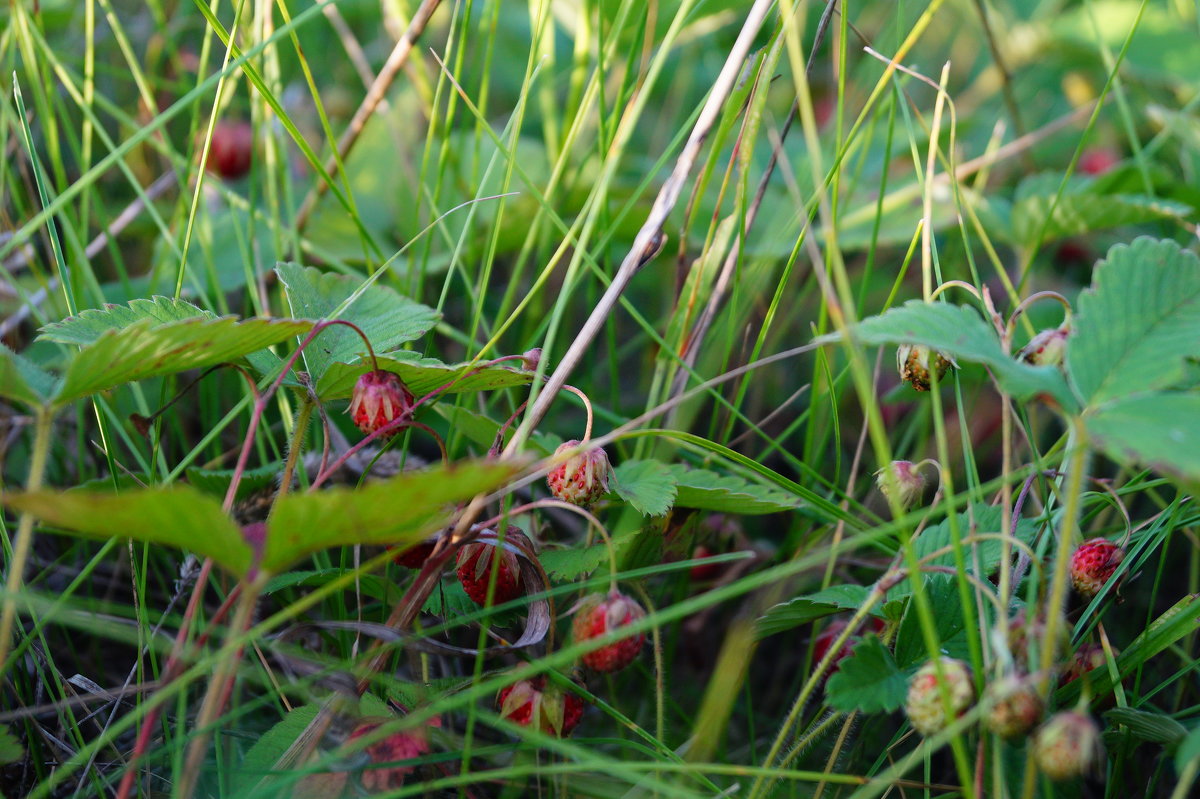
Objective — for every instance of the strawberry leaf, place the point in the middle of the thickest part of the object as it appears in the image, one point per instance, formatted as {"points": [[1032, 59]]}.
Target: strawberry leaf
{"points": [[868, 680], [385, 317], [810, 607], [1159, 430], [145, 349], [1138, 323], [21, 380], [400, 510], [178, 516], [647, 486], [87, 326], [705, 490], [421, 375]]}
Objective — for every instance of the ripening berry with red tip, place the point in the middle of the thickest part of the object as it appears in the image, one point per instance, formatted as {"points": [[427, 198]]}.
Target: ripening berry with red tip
{"points": [[833, 631], [924, 704], [378, 398], [1016, 708], [597, 616], [546, 708], [902, 481], [1088, 657], [380, 774], [475, 562], [1093, 563], [581, 479], [704, 572], [918, 363], [1066, 745], [1047, 347], [231, 150]]}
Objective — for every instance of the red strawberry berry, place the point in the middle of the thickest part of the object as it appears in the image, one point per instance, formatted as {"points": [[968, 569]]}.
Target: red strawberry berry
{"points": [[1016, 709], [379, 397], [1093, 564], [415, 556], [917, 363], [549, 709], [596, 617], [231, 149], [581, 479], [831, 633], [1066, 745], [924, 705], [380, 774], [704, 572], [1098, 160], [475, 561]]}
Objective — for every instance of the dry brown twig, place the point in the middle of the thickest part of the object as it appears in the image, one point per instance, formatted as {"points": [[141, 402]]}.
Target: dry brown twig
{"points": [[648, 238]]}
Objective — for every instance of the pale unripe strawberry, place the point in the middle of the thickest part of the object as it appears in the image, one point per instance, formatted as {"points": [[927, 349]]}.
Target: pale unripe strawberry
{"points": [[597, 616], [1026, 638], [581, 479], [1047, 347], [900, 480], [546, 708], [378, 398], [1093, 563], [475, 562], [1066, 745], [377, 776], [1016, 709], [917, 363], [924, 706]]}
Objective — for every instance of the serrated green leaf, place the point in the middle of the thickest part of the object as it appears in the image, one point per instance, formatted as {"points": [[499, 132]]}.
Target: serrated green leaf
{"points": [[403, 509], [569, 565], [23, 381], [421, 375], [1137, 323], [1149, 726], [705, 490], [215, 482], [87, 326], [949, 626], [144, 350], [868, 681], [1080, 209], [960, 332], [1157, 430], [178, 516], [384, 316], [810, 607], [987, 520], [646, 485]]}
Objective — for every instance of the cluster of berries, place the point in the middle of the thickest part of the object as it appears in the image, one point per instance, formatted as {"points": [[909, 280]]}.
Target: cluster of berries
{"points": [[492, 574], [1064, 746]]}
